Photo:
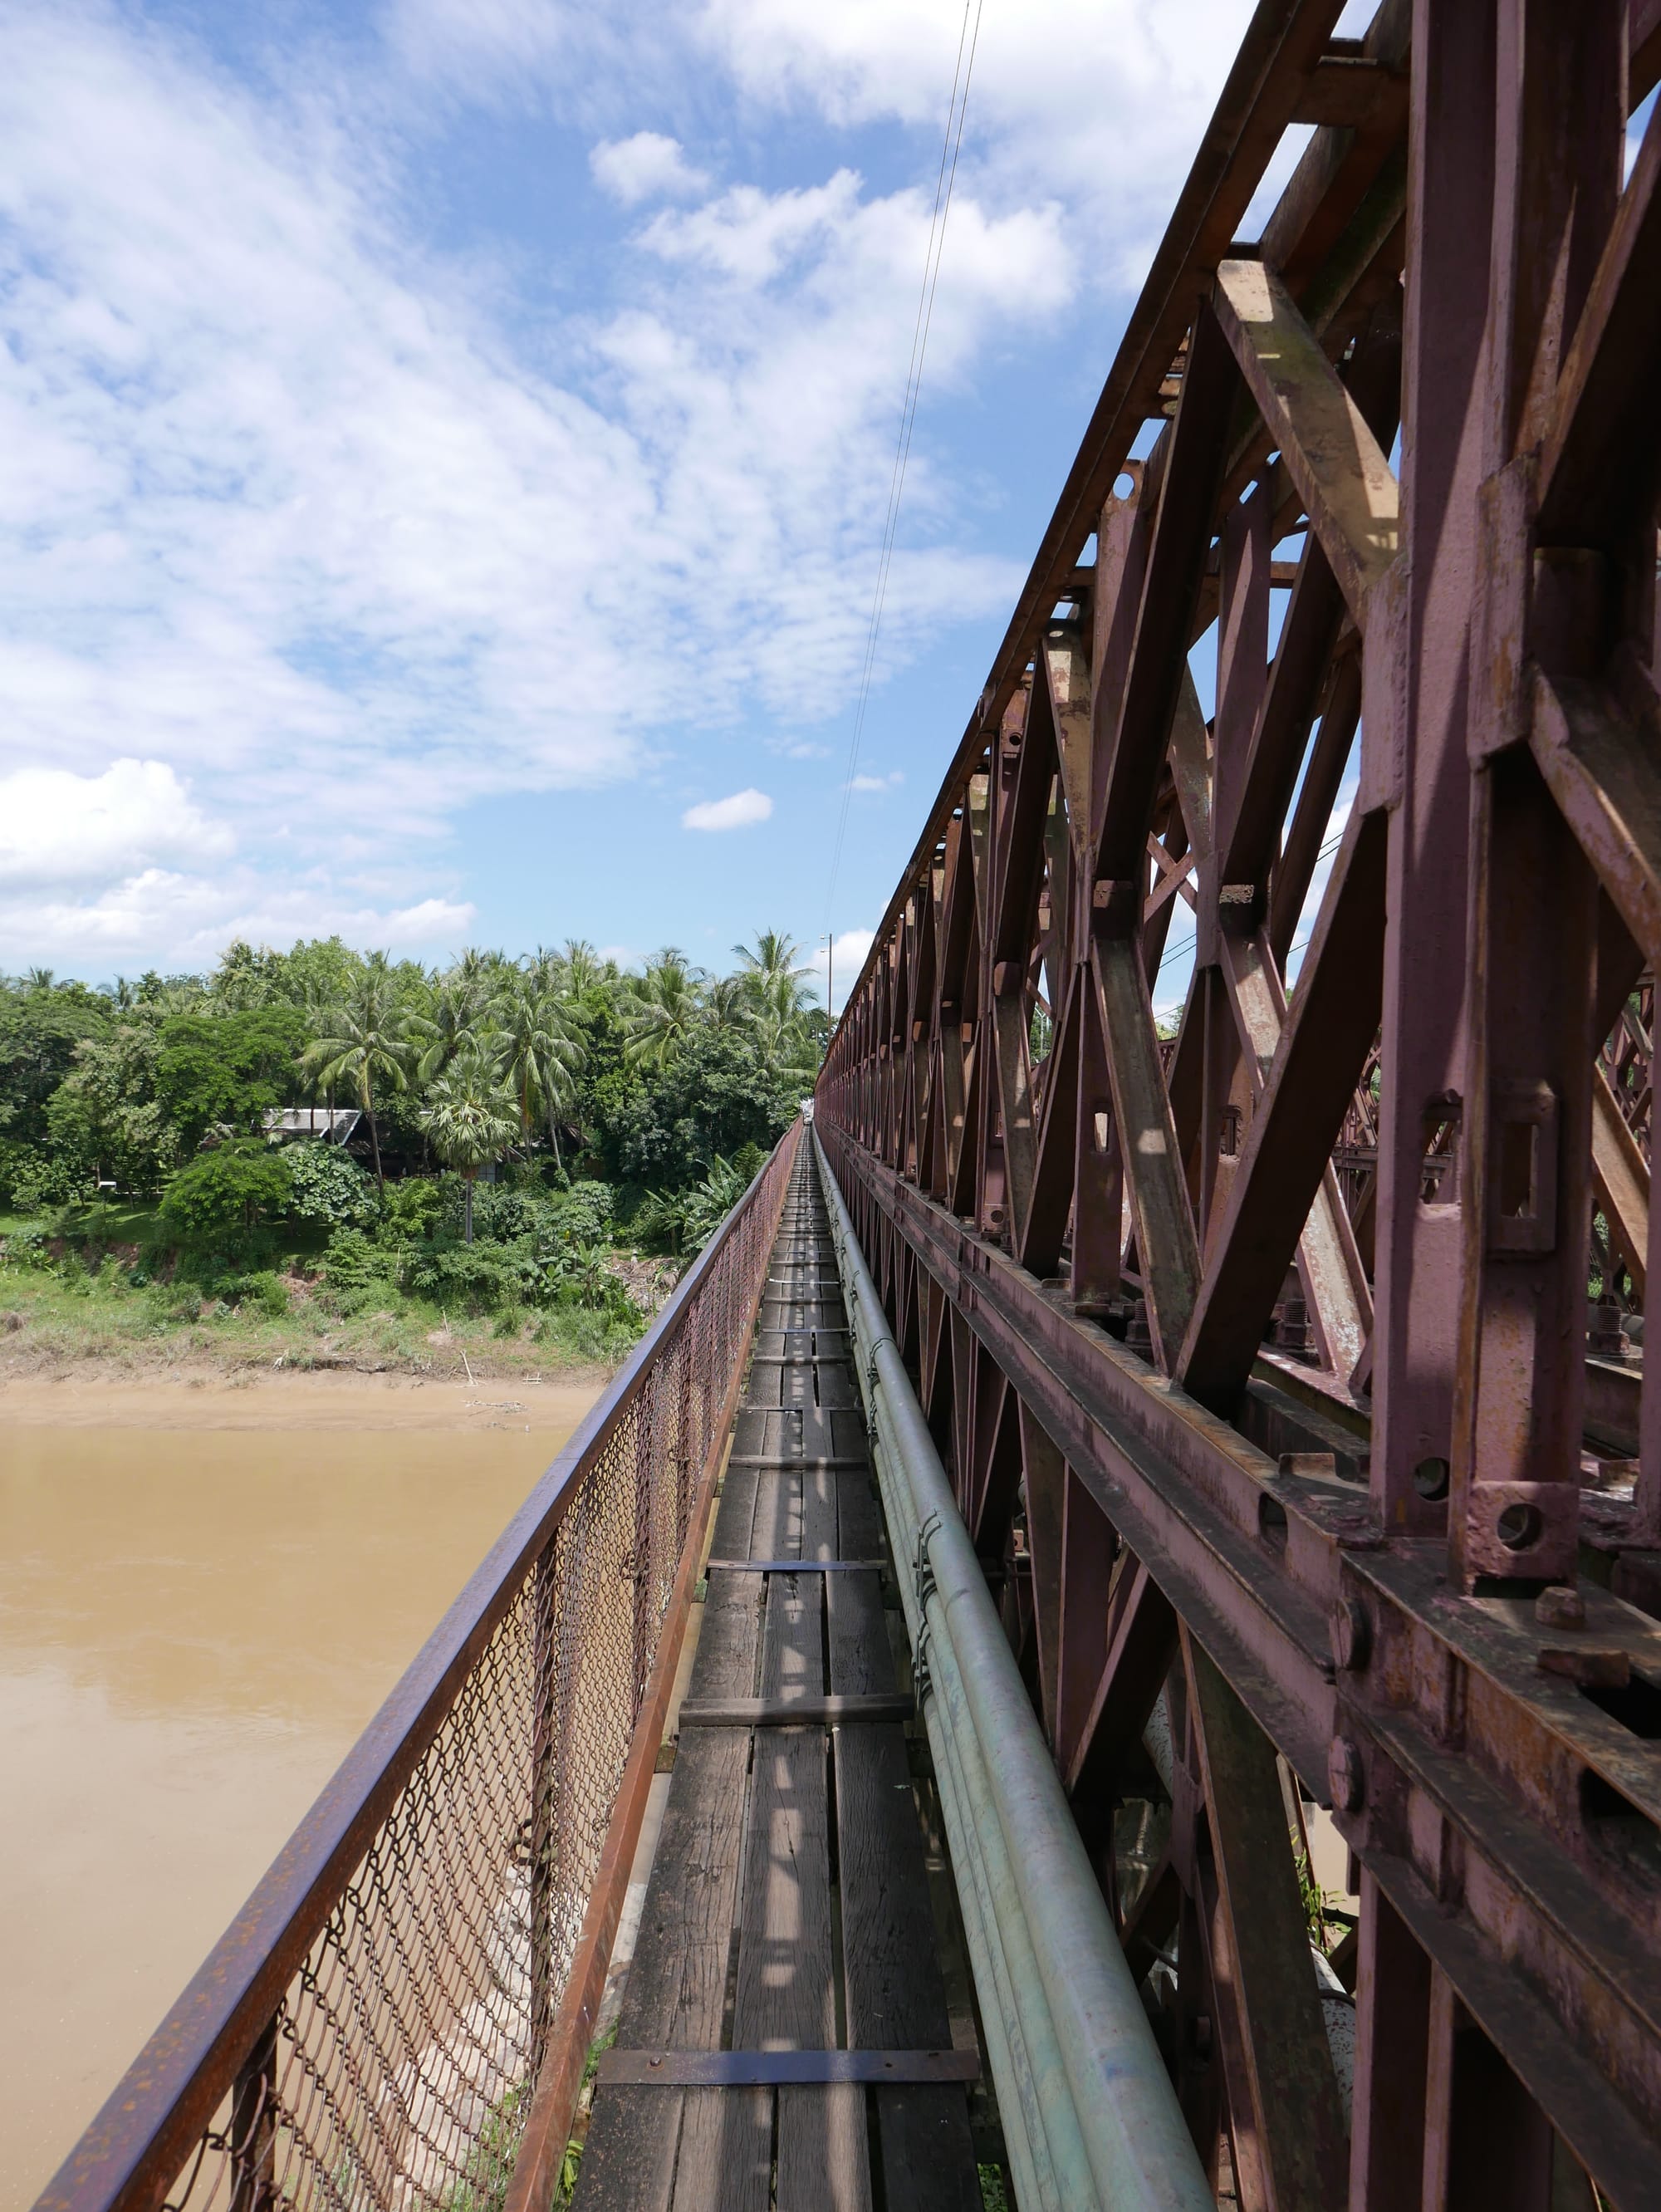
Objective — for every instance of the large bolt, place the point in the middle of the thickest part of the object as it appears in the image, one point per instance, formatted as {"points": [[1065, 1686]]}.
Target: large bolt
{"points": [[1344, 1777], [1352, 1635]]}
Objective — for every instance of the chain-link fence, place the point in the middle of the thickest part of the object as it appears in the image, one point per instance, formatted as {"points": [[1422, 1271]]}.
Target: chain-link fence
{"points": [[367, 2035]]}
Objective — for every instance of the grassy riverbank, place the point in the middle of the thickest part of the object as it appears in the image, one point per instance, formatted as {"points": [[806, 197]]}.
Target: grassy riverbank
{"points": [[91, 1286], [49, 1326]]}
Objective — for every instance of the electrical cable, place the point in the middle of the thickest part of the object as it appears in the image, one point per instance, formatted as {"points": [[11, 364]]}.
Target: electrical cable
{"points": [[951, 146], [1173, 952]]}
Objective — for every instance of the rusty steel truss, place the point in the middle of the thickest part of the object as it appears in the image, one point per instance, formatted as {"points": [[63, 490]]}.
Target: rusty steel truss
{"points": [[1288, 1366]]}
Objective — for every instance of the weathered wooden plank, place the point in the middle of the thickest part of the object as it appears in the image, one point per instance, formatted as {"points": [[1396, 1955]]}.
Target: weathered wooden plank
{"points": [[727, 2149], [895, 1997], [676, 1990], [835, 1383], [786, 1987]]}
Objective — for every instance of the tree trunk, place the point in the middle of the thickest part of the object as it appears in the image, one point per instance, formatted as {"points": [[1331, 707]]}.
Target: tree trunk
{"points": [[374, 1137], [467, 1210]]}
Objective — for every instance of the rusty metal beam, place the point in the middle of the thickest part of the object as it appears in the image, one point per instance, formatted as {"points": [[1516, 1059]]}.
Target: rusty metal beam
{"points": [[1305, 1317]]}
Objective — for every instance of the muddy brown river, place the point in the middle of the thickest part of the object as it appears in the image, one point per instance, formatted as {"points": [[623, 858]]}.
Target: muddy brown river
{"points": [[195, 1625]]}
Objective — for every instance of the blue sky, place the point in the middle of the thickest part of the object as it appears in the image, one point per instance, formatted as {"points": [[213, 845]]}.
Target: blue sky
{"points": [[448, 444]]}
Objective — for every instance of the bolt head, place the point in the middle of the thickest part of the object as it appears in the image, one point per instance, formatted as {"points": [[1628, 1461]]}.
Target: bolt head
{"points": [[1557, 1606], [1352, 1635], [1345, 1775]]}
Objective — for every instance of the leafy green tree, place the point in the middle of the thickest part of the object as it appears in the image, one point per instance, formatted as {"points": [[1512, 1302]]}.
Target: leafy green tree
{"points": [[471, 1117], [161, 995], [105, 1115], [668, 1132], [245, 977], [364, 1044], [233, 1188], [329, 1188], [42, 1026], [226, 1071]]}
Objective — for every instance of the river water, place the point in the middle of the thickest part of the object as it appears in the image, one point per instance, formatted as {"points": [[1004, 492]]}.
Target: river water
{"points": [[195, 1625]]}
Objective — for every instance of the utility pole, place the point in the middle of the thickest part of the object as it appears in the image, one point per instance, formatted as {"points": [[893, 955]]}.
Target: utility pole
{"points": [[830, 979]]}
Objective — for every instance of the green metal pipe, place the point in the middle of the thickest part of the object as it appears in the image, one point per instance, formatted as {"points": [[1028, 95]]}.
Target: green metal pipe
{"points": [[1140, 2152], [1041, 2133]]}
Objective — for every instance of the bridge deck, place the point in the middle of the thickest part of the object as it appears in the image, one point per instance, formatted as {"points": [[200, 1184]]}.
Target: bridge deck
{"points": [[788, 1906]]}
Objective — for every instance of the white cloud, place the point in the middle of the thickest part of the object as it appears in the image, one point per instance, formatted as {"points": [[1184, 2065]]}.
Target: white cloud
{"points": [[166, 918], [57, 827], [740, 811], [867, 782], [1112, 136], [646, 167], [289, 513], [482, 46]]}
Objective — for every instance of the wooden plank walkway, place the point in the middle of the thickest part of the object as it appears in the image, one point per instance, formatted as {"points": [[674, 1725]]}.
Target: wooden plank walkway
{"points": [[788, 1906]]}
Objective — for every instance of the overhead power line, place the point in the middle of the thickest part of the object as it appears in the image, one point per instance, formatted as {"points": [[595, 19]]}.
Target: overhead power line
{"points": [[951, 145]]}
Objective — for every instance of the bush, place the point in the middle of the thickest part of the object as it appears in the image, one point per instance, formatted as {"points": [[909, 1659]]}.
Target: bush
{"points": [[264, 1293], [585, 1212], [26, 1248], [473, 1277], [38, 1181], [410, 1208], [683, 1222], [499, 1214], [581, 1333], [580, 1275], [329, 1188], [223, 1195], [353, 1262]]}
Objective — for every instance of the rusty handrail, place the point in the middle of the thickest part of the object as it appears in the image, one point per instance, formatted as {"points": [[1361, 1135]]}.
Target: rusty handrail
{"points": [[211, 2037]]}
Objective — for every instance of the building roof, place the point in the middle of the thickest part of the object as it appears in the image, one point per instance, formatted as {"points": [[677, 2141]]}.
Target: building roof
{"points": [[330, 1124]]}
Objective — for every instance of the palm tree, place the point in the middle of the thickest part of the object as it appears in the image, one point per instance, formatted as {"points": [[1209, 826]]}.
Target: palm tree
{"points": [[364, 1042], [770, 970], [469, 1116], [660, 1012], [537, 1052], [785, 1043], [458, 1016], [578, 968], [244, 978], [727, 1004]]}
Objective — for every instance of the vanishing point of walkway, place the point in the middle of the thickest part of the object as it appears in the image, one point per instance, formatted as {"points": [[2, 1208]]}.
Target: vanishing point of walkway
{"points": [[789, 1906]]}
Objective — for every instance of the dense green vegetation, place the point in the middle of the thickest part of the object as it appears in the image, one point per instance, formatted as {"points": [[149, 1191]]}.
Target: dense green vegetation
{"points": [[524, 1125]]}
